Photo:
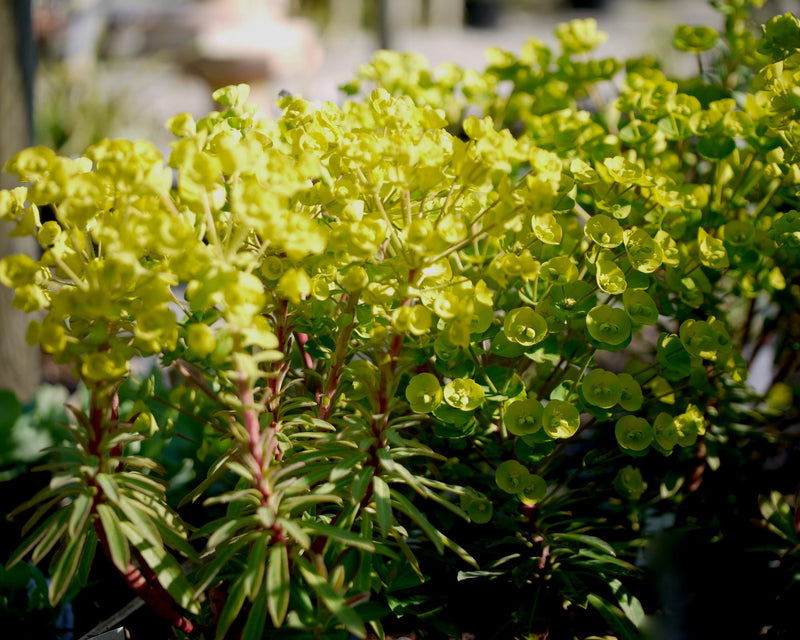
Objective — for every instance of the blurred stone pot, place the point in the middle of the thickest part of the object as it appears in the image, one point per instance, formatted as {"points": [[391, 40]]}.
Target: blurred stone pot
{"points": [[482, 14]]}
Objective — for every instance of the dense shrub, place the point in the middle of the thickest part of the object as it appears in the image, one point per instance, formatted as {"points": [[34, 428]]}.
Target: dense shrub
{"points": [[421, 350]]}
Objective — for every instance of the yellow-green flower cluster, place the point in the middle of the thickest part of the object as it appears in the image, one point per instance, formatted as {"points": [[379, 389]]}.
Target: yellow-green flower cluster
{"points": [[468, 251]]}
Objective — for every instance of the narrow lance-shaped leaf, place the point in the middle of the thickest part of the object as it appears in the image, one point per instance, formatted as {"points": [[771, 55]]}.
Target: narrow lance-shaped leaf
{"points": [[144, 525], [66, 566], [615, 617], [335, 603], [257, 618], [176, 540], [217, 471], [591, 541], [409, 556], [81, 508], [295, 530], [166, 569], [53, 534], [221, 529], [349, 538], [108, 486], [383, 505], [45, 531], [41, 511], [115, 538], [232, 608], [211, 570], [278, 584], [255, 567], [47, 493], [404, 505]]}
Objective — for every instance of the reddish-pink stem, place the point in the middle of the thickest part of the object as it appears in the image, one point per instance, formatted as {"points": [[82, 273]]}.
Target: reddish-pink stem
{"points": [[337, 363], [150, 591], [302, 340], [253, 429]]}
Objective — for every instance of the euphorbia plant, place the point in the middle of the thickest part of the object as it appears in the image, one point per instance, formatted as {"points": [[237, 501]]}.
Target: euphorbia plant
{"points": [[362, 302]]}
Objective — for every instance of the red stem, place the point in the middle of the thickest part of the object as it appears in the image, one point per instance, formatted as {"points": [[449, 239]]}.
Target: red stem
{"points": [[253, 429], [149, 590], [302, 339], [255, 438]]}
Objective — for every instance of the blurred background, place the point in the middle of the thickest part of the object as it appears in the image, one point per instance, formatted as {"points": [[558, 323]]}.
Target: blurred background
{"points": [[121, 67]]}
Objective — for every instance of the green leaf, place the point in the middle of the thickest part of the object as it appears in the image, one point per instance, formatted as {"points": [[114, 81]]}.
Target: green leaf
{"points": [[404, 504], [301, 503], [175, 540], [629, 604], [257, 618], [224, 529], [383, 505], [53, 534], [607, 560], [40, 512], [47, 493], [409, 556], [344, 468], [44, 532], [777, 511], [85, 565], [335, 603], [409, 478], [143, 523], [108, 486], [349, 538], [166, 569], [117, 543], [278, 586], [222, 557], [615, 617], [296, 531], [460, 551], [255, 567], [358, 489], [65, 568], [81, 508], [135, 482], [217, 471], [591, 541], [232, 608]]}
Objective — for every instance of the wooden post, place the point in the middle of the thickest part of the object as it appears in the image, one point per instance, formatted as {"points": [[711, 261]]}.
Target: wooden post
{"points": [[20, 366]]}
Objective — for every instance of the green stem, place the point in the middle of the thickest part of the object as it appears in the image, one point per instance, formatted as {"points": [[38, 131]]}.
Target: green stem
{"points": [[480, 368], [767, 198]]}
